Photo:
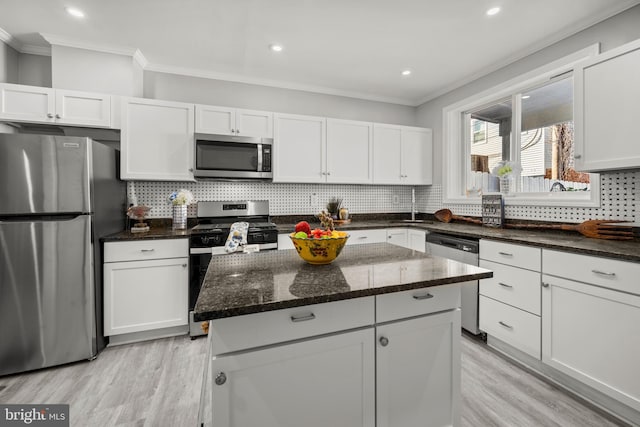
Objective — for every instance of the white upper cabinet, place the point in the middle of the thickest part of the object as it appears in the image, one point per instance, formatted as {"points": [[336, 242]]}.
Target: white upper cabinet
{"points": [[157, 140], [231, 121], [299, 154], [402, 155], [607, 110], [349, 152], [45, 105]]}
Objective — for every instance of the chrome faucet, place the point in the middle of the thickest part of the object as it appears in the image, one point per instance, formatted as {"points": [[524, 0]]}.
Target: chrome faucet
{"points": [[413, 204]]}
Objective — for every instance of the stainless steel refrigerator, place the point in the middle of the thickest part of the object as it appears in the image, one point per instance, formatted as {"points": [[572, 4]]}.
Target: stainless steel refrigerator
{"points": [[58, 197]]}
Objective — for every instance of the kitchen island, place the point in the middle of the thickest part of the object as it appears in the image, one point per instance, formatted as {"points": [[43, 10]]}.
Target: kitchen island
{"points": [[371, 339]]}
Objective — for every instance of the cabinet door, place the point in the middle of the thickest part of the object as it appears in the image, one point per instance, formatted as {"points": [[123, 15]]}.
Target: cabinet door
{"points": [[418, 371], [27, 103], [607, 110], [386, 154], [157, 140], [397, 236], [83, 108], [416, 157], [349, 152], [215, 120], [316, 383], [145, 295], [254, 123], [299, 149], [593, 335], [416, 240]]}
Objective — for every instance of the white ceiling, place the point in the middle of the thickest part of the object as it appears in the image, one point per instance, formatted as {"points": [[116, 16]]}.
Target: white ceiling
{"points": [[355, 48]]}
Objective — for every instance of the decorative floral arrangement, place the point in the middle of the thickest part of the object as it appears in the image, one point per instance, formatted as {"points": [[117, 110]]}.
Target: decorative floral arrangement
{"points": [[181, 197], [505, 169]]}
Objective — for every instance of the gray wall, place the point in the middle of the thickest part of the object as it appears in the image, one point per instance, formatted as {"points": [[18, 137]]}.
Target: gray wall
{"points": [[241, 95], [35, 70], [613, 32], [8, 64]]}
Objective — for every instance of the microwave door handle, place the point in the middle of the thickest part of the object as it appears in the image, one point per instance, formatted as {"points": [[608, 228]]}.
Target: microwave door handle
{"points": [[259, 157]]}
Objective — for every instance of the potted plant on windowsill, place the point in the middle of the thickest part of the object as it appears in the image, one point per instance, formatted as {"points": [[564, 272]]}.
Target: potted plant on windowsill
{"points": [[506, 171]]}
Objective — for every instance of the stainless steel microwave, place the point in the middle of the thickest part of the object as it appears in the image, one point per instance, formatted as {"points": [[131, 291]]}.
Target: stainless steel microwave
{"points": [[232, 157]]}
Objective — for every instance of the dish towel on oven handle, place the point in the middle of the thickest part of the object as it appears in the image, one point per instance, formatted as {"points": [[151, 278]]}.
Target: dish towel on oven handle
{"points": [[237, 236]]}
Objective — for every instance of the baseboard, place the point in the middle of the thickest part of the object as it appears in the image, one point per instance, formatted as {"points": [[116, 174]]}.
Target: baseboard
{"points": [[132, 337]]}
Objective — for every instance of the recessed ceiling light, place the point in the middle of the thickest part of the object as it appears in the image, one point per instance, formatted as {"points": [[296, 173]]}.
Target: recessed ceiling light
{"points": [[75, 12], [526, 96], [406, 72], [276, 47], [493, 11]]}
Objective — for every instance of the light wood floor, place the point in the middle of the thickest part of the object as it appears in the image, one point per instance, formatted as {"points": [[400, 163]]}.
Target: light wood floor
{"points": [[157, 383]]}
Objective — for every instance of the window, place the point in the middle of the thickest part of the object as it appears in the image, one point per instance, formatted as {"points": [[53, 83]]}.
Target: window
{"points": [[527, 122]]}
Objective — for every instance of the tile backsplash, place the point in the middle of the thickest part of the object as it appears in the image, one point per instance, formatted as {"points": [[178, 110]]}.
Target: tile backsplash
{"points": [[620, 193]]}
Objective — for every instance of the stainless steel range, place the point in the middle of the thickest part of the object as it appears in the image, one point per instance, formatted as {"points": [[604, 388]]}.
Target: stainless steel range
{"points": [[210, 235]]}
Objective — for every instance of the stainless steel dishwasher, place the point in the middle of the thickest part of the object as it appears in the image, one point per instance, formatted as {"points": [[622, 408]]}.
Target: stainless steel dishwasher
{"points": [[463, 250]]}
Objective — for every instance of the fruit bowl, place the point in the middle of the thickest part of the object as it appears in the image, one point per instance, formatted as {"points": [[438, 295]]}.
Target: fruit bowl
{"points": [[320, 251]]}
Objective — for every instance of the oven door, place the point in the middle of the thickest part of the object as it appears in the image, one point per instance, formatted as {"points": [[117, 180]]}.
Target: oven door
{"points": [[231, 157], [199, 262]]}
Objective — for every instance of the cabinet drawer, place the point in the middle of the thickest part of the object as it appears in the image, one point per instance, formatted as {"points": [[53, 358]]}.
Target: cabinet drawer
{"points": [[507, 253], [511, 325], [606, 272], [145, 249], [366, 236], [513, 286], [260, 329], [399, 305]]}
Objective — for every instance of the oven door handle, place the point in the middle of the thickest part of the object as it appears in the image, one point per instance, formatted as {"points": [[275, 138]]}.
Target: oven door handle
{"points": [[200, 251]]}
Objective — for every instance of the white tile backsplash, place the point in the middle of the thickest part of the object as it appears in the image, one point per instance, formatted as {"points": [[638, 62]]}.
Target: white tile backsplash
{"points": [[620, 192]]}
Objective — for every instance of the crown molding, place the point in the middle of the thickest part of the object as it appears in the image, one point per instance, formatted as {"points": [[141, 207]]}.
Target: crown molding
{"points": [[56, 40], [193, 72], [10, 40], [36, 50]]}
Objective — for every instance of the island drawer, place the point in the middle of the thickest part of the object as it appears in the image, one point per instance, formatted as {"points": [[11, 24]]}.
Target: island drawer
{"points": [[513, 286], [416, 302], [606, 272], [516, 327], [145, 249], [515, 255], [260, 329]]}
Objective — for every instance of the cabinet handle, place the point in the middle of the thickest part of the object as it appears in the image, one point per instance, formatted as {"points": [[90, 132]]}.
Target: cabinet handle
{"points": [[363, 237], [184, 265], [505, 325], [190, 169], [384, 341], [58, 116], [221, 378], [328, 173], [577, 156], [545, 285], [505, 285], [423, 296], [505, 253], [238, 131], [147, 250], [603, 273], [309, 316], [50, 115]]}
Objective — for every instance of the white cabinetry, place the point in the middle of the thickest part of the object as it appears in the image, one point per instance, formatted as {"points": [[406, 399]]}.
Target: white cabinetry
{"points": [[607, 110], [356, 237], [397, 236], [349, 152], [591, 327], [157, 140], [416, 240], [402, 155], [145, 285], [45, 105], [299, 154], [510, 300], [231, 121]]}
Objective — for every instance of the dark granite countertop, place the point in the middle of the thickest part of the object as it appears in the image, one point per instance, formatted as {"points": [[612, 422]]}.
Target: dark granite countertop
{"points": [[559, 240], [239, 284]]}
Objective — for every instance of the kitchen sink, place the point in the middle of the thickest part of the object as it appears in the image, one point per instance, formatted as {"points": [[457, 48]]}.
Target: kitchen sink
{"points": [[415, 221]]}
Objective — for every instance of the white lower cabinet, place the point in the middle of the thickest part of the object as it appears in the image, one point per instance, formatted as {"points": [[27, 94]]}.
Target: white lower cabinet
{"points": [[592, 333], [397, 236], [300, 370], [418, 371], [316, 383], [417, 240], [143, 291]]}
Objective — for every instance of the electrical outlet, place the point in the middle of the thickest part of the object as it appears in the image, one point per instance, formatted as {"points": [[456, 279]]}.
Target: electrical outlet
{"points": [[396, 199], [313, 200]]}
